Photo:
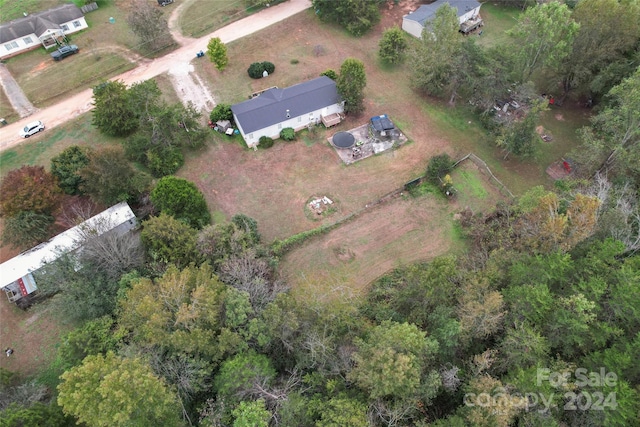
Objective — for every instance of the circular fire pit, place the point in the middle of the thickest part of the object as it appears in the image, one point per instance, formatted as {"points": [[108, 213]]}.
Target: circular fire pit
{"points": [[343, 140]]}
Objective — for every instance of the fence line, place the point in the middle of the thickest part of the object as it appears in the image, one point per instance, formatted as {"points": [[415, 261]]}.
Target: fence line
{"points": [[89, 7], [485, 168]]}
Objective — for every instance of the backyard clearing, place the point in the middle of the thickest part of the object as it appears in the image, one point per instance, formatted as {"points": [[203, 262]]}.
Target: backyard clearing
{"points": [[353, 255]]}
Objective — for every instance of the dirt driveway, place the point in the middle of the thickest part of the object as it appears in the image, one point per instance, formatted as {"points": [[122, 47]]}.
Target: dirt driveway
{"points": [[81, 103]]}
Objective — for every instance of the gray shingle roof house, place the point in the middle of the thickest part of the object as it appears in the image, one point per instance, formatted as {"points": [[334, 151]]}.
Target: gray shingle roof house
{"points": [[415, 22], [296, 107], [40, 29]]}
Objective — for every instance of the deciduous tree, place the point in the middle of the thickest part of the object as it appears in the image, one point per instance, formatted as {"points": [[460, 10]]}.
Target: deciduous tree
{"points": [[111, 391], [351, 83], [543, 37], [113, 113], [149, 24], [110, 179], [356, 16], [392, 45], [170, 241], [29, 188], [179, 312], [217, 53]]}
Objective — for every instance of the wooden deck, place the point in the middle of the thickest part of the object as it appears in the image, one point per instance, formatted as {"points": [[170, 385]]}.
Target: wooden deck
{"points": [[331, 120]]}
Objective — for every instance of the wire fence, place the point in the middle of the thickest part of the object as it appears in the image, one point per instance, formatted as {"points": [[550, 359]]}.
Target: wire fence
{"points": [[484, 168]]}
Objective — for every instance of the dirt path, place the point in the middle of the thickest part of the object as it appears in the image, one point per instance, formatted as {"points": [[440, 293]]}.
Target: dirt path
{"points": [[80, 103], [17, 98]]}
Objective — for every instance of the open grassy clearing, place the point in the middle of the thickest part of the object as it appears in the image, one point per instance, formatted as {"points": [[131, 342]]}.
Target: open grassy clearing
{"points": [[400, 231], [497, 20], [13, 9], [40, 149], [203, 17]]}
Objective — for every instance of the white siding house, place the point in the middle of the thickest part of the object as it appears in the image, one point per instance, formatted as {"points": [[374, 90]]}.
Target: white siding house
{"points": [[40, 29], [16, 277], [294, 107], [415, 22]]}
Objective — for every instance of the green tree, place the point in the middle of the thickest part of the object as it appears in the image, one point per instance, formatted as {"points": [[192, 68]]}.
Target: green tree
{"points": [[111, 391], [110, 179], [522, 347], [390, 362], [29, 188], [169, 240], [392, 45], [221, 112], [27, 228], [251, 414], [519, 136], [113, 113], [182, 200], [432, 61], [608, 32], [351, 83], [149, 24], [37, 414], [543, 37], [93, 337], [65, 167], [179, 312], [356, 16], [613, 144], [217, 52], [343, 411]]}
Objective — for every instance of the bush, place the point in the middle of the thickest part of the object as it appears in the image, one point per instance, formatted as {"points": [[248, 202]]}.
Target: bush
{"points": [[268, 67], [288, 134], [265, 142], [439, 166], [331, 74], [221, 112], [257, 68]]}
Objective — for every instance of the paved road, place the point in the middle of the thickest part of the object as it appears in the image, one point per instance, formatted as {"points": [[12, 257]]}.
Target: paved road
{"points": [[80, 103]]}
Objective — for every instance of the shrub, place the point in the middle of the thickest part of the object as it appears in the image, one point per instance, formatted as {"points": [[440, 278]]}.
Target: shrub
{"points": [[288, 134], [438, 167], [294, 61], [255, 70], [331, 74], [268, 67], [265, 142], [221, 112]]}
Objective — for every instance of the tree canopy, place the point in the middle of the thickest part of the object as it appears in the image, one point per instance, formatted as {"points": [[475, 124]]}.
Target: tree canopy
{"points": [[182, 200], [351, 83]]}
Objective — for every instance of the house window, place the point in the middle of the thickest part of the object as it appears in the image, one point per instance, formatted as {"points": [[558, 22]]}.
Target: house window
{"points": [[299, 119], [279, 125], [27, 40], [250, 136], [11, 45], [64, 27], [76, 24]]}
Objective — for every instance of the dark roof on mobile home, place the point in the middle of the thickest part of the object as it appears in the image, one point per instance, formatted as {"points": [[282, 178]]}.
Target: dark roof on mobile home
{"points": [[427, 12], [277, 105]]}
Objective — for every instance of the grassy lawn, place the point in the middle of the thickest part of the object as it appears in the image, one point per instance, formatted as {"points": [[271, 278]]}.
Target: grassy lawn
{"points": [[497, 20], [40, 149], [6, 110], [13, 9], [203, 17]]}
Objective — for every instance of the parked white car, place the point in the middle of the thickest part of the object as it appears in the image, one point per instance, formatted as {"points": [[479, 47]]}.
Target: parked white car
{"points": [[31, 128]]}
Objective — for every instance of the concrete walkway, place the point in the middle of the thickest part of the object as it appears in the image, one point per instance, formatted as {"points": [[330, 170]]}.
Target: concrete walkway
{"points": [[81, 103]]}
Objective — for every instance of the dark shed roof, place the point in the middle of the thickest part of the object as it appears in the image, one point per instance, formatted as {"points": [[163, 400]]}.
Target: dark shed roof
{"points": [[39, 22], [276, 105], [427, 12]]}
